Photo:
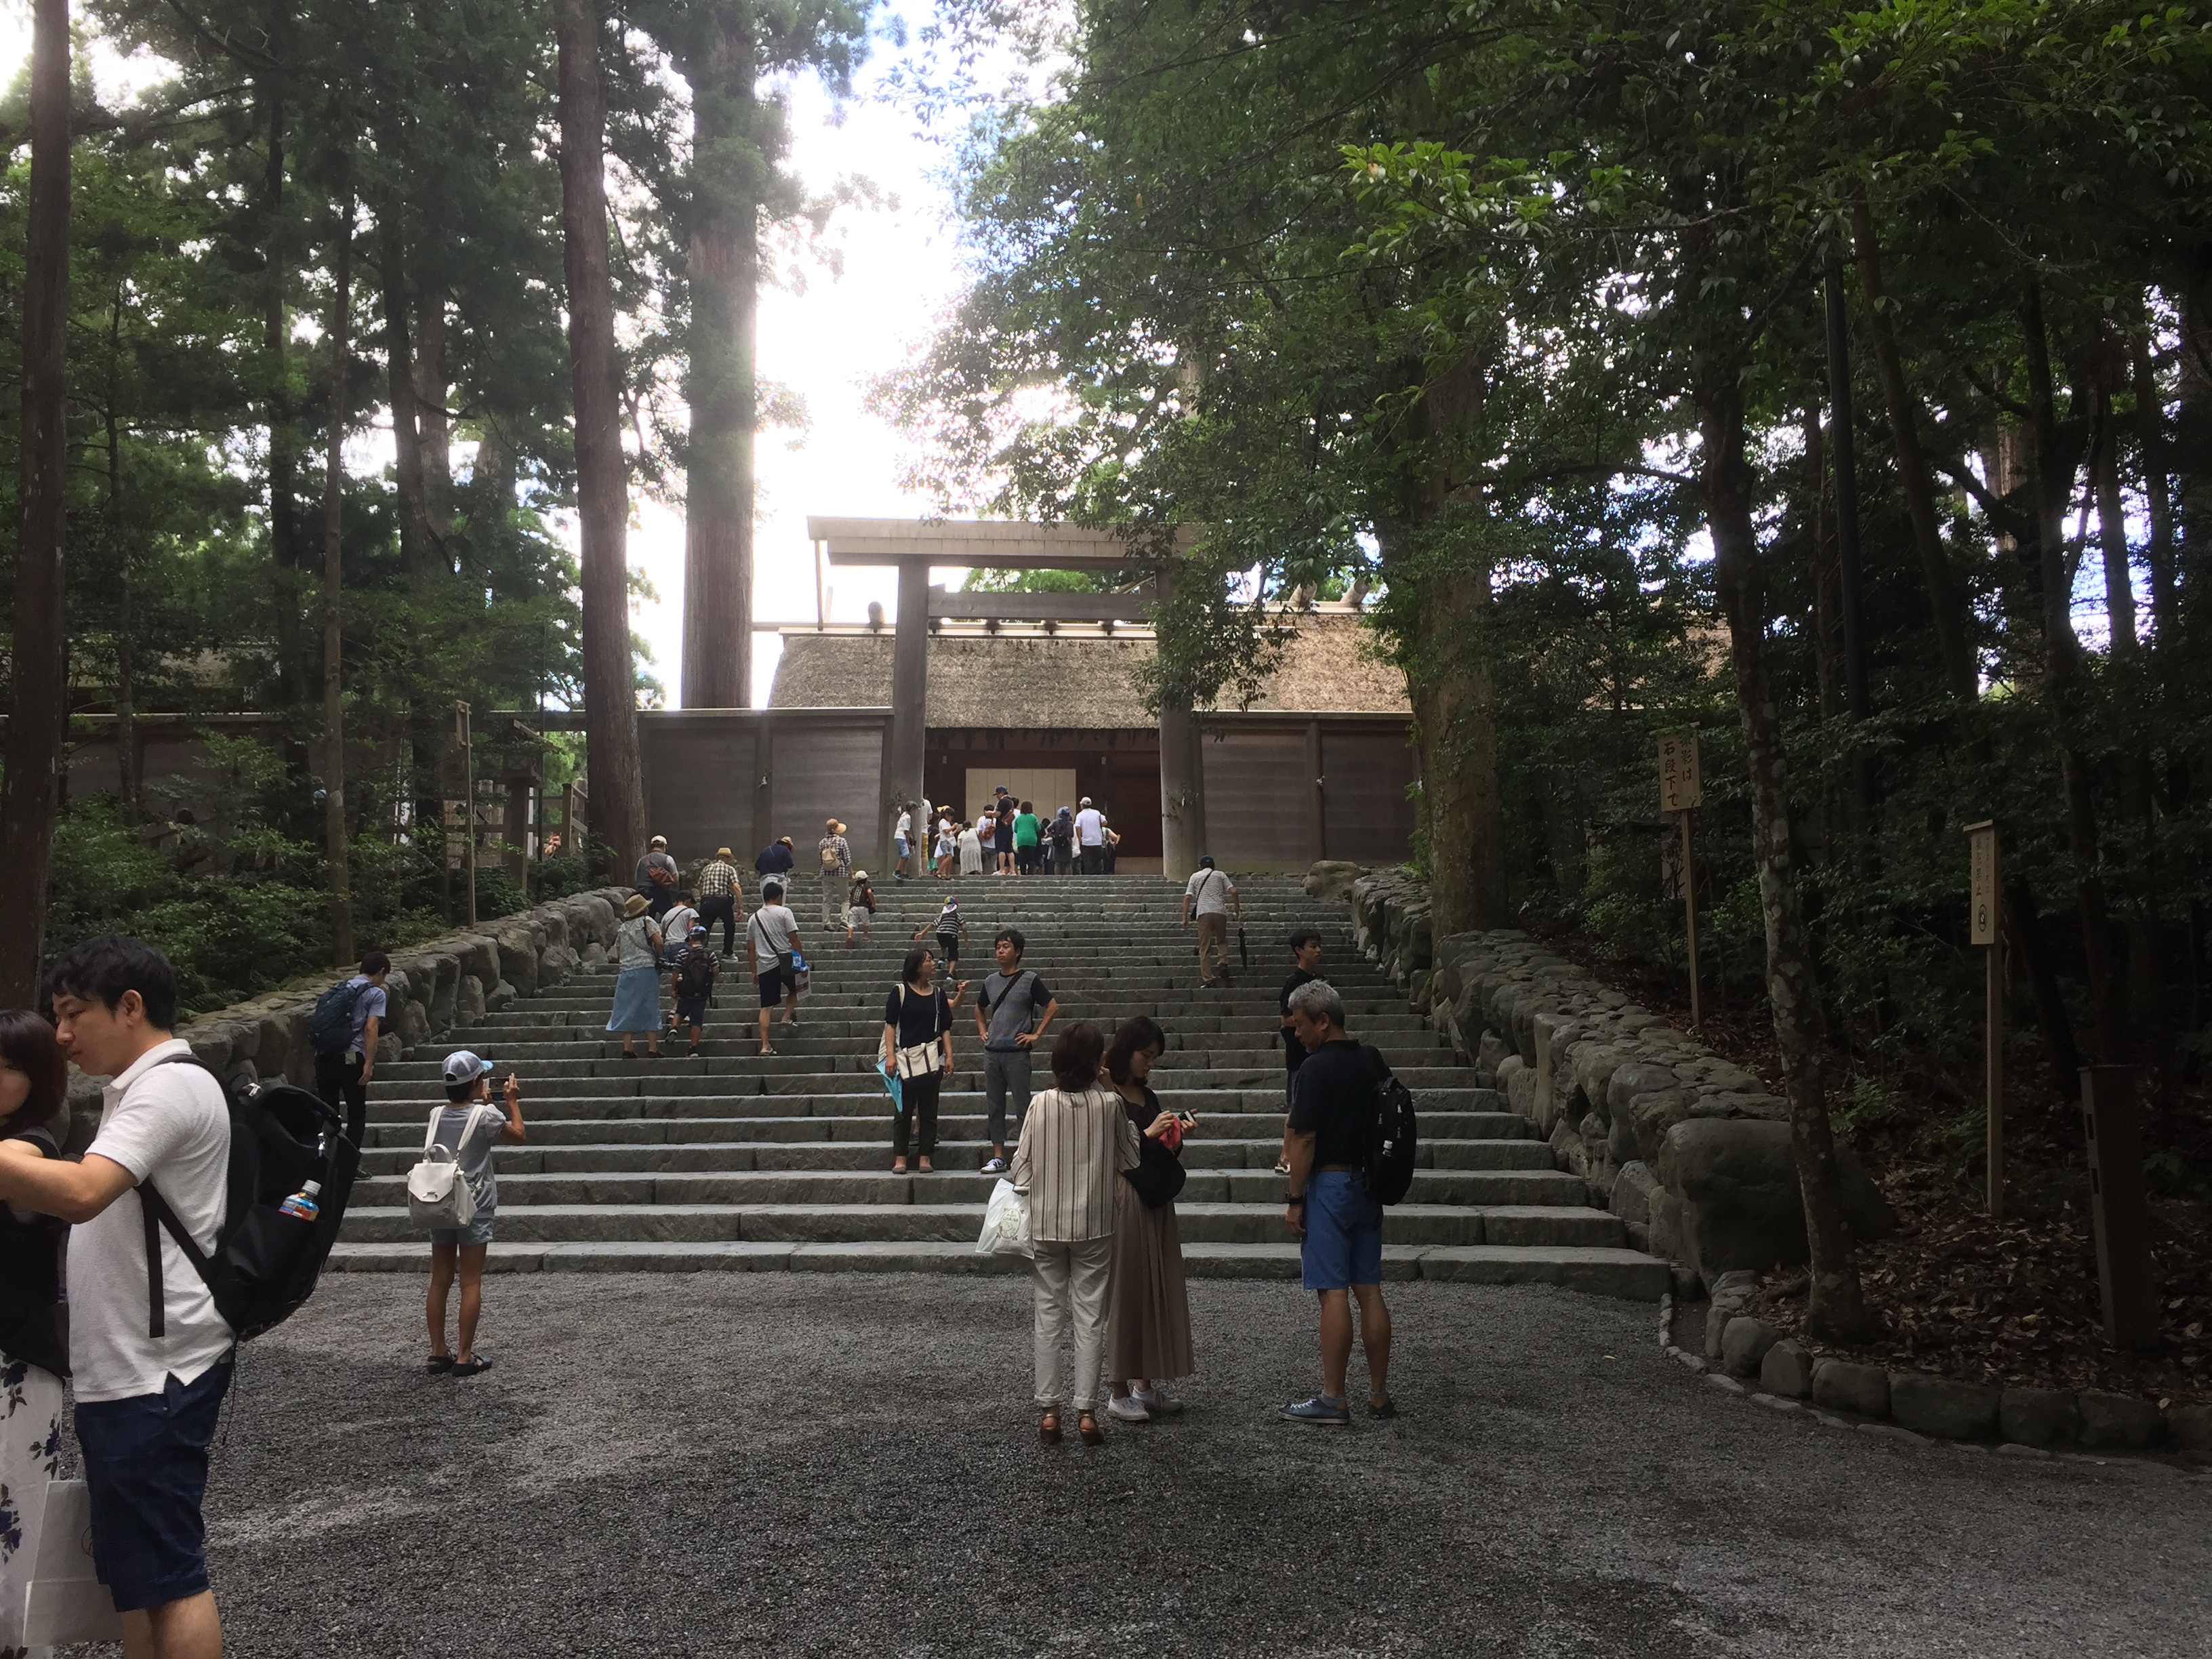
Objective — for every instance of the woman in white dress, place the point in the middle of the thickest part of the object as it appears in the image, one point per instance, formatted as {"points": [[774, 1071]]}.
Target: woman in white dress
{"points": [[971, 847], [34, 1119]]}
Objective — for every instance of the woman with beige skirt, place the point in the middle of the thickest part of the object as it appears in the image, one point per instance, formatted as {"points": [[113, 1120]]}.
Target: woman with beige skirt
{"points": [[1148, 1311]]}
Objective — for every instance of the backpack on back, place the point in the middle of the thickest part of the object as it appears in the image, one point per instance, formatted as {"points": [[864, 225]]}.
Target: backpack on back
{"points": [[266, 1261], [1392, 1138], [830, 859], [330, 1028], [695, 973], [438, 1193]]}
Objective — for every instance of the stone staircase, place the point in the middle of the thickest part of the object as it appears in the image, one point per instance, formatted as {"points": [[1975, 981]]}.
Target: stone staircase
{"points": [[736, 1162]]}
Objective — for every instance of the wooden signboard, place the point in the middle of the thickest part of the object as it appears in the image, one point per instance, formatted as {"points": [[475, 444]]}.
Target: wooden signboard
{"points": [[1985, 927], [1681, 788]]}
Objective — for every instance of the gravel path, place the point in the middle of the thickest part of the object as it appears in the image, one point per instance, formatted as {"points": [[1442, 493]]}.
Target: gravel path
{"points": [[784, 1463]]}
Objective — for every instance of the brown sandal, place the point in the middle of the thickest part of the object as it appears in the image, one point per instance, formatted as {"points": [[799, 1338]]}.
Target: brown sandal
{"points": [[1048, 1428], [1087, 1426]]}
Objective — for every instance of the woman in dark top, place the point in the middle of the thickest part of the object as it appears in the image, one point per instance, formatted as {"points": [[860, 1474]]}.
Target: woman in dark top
{"points": [[1148, 1310], [33, 1112], [1005, 838], [918, 1032]]}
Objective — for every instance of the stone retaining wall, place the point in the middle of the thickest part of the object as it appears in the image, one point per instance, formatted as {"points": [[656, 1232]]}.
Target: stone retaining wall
{"points": [[434, 987], [1687, 1148]]}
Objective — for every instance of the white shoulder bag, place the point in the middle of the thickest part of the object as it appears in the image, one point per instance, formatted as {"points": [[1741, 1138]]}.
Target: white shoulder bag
{"points": [[438, 1195], [917, 1060]]}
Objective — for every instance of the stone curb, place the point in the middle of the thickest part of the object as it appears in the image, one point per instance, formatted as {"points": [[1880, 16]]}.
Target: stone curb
{"points": [[2181, 1435]]}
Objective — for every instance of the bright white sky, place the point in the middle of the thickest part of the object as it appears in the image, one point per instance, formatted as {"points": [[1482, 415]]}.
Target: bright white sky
{"points": [[901, 269]]}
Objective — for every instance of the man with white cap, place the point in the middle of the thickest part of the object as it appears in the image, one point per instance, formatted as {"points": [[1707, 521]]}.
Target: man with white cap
{"points": [[468, 1125], [1090, 839], [656, 877], [835, 854]]}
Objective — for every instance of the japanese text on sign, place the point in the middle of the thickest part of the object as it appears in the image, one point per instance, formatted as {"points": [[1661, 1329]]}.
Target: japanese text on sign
{"points": [[1680, 786], [1982, 895]]}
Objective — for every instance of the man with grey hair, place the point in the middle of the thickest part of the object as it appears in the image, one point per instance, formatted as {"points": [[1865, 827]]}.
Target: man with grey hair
{"points": [[1339, 1226]]}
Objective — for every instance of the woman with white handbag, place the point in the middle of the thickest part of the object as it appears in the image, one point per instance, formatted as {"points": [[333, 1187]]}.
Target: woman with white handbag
{"points": [[34, 1354], [1076, 1142], [918, 1051], [456, 1197]]}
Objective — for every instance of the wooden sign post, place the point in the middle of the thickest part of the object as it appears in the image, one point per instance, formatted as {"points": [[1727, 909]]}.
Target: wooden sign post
{"points": [[468, 803], [1985, 927], [1680, 790]]}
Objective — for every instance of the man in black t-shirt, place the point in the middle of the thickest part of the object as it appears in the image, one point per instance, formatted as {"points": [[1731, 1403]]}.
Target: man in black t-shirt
{"points": [[1339, 1228], [1305, 949]]}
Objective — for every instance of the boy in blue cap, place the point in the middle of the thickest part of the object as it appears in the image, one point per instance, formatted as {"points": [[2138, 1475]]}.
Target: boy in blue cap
{"points": [[471, 1125]]}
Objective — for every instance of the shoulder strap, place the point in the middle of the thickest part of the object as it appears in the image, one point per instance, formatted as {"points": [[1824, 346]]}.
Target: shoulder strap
{"points": [[430, 1135]]}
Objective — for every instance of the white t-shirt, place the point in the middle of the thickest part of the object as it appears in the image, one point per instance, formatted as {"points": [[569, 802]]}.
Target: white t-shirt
{"points": [[906, 826], [1090, 826], [167, 1124], [1211, 889], [774, 928], [676, 925]]}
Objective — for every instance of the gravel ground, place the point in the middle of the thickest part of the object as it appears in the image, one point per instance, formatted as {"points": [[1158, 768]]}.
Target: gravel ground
{"points": [[782, 1463]]}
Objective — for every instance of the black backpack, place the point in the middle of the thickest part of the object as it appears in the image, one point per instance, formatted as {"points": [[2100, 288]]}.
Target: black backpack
{"points": [[265, 1263], [1387, 1171], [330, 1028], [1062, 831], [695, 973]]}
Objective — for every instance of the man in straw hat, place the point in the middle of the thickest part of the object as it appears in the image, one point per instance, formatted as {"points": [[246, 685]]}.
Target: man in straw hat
{"points": [[719, 900], [835, 854]]}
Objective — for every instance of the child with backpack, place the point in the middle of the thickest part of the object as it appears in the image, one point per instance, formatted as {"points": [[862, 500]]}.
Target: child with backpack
{"points": [[859, 908], [460, 1198], [950, 930], [697, 971]]}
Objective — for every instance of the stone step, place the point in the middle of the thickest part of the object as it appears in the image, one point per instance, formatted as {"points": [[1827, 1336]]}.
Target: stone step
{"points": [[1627, 1274], [646, 1190], [725, 1051], [857, 1098], [768, 1119], [848, 1143], [676, 1076], [1199, 1221]]}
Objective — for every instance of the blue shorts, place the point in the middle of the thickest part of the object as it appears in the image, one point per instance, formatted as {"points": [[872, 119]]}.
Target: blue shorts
{"points": [[145, 1470], [1344, 1233], [477, 1232]]}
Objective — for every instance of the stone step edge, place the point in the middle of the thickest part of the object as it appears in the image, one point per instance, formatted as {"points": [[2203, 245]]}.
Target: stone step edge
{"points": [[1623, 1274]]}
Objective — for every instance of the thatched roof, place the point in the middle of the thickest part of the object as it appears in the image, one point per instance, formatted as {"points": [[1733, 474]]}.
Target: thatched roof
{"points": [[1079, 681]]}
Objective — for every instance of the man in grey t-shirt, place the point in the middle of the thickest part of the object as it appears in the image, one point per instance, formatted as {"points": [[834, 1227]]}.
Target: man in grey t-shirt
{"points": [[1012, 1012], [771, 940]]}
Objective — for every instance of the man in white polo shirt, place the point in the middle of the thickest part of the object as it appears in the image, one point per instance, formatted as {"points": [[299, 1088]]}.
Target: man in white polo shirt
{"points": [[1090, 839], [149, 1355]]}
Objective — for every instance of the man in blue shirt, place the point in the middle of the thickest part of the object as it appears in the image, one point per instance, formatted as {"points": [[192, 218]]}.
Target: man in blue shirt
{"points": [[342, 1079]]}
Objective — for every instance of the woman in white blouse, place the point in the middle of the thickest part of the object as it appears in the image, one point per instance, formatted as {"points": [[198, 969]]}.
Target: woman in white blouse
{"points": [[1075, 1143]]}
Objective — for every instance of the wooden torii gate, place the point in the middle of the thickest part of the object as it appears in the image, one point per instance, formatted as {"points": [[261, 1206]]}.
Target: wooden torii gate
{"points": [[912, 546]]}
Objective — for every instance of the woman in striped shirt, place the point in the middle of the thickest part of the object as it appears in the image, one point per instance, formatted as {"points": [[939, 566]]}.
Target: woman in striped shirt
{"points": [[1075, 1143]]}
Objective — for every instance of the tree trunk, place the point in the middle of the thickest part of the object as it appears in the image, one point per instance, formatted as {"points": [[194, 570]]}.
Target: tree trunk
{"points": [[726, 165], [399, 374], [2055, 462], [2023, 933], [2112, 529], [334, 805], [38, 723], [284, 550], [1828, 650], [433, 381], [2150, 437], [127, 769], [1834, 1310], [602, 485], [1455, 716], [1945, 611]]}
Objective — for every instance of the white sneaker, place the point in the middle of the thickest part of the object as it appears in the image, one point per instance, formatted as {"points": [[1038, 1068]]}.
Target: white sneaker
{"points": [[1128, 1408], [1157, 1403], [996, 1166]]}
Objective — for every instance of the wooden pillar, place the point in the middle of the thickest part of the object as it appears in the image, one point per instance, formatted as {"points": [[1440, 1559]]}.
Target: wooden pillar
{"points": [[909, 738], [516, 834], [764, 829], [1182, 777], [1317, 833]]}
